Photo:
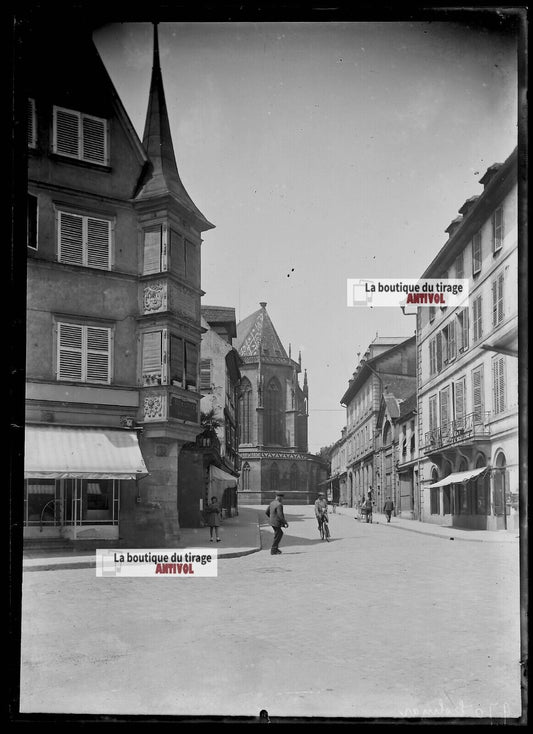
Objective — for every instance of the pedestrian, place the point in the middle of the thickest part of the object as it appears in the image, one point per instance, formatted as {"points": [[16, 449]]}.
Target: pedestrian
{"points": [[277, 519], [368, 508], [388, 507], [212, 518]]}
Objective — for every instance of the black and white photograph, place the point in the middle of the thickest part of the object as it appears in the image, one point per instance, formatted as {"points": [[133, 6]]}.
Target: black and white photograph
{"points": [[268, 405]]}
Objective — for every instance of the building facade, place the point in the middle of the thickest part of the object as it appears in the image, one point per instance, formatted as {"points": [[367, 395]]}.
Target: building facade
{"points": [[113, 306], [209, 466], [468, 367], [389, 362], [273, 415]]}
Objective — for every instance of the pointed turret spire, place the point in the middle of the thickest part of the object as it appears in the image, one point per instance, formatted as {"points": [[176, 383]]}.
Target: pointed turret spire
{"points": [[157, 141], [300, 358], [305, 387]]}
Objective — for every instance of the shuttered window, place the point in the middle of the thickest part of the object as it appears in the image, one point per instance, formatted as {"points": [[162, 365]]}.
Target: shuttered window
{"points": [[153, 358], [477, 319], [80, 136], [433, 413], [205, 374], [497, 300], [476, 253], [32, 124], [433, 357], [498, 383], [84, 240], [478, 401], [497, 229], [155, 250], [191, 364], [462, 329], [444, 400], [439, 358], [177, 361], [460, 406], [84, 353]]}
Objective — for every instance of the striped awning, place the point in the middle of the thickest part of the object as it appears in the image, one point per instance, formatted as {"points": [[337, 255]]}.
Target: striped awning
{"points": [[221, 477], [61, 452], [460, 477]]}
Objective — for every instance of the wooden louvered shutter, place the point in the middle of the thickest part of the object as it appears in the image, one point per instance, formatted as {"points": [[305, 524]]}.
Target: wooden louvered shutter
{"points": [[70, 352], [460, 403], [498, 384], [477, 395], [94, 135], [152, 358], [70, 248], [98, 354], [98, 243], [191, 364], [67, 133], [444, 408]]}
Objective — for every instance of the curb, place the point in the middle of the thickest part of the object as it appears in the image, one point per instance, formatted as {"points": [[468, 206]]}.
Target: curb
{"points": [[91, 562], [431, 534]]}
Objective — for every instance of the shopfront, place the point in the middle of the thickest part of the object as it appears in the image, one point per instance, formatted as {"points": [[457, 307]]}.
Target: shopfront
{"points": [[73, 478]]}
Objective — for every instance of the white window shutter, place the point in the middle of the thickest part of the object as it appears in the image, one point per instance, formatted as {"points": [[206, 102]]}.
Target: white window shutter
{"points": [[67, 132], [477, 393], [70, 248], [459, 399], [152, 252], [94, 135], [164, 248], [98, 243], [164, 358], [70, 352], [151, 358], [98, 354]]}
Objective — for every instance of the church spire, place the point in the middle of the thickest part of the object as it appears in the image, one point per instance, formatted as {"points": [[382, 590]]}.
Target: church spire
{"points": [[157, 141]]}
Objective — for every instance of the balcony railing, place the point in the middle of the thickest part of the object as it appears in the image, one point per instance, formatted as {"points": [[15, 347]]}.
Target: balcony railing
{"points": [[464, 430]]}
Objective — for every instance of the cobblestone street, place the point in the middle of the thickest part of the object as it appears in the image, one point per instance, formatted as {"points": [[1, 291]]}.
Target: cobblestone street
{"points": [[377, 623]]}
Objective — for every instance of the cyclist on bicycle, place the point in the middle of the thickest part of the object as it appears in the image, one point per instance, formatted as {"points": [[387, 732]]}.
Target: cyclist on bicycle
{"points": [[321, 509]]}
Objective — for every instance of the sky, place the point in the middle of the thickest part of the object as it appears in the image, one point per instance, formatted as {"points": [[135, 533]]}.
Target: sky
{"points": [[322, 152]]}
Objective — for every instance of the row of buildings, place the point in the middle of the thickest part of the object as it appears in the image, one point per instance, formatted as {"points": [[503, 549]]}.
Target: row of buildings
{"points": [[140, 402], [432, 421]]}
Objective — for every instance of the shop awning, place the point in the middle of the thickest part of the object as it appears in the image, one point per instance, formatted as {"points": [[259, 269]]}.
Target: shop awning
{"points": [[459, 477], [60, 452], [222, 477]]}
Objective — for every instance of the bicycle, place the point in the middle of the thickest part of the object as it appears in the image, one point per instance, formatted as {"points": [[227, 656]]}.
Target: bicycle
{"points": [[323, 527]]}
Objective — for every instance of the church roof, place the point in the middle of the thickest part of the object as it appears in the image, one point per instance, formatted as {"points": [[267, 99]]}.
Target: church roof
{"points": [[157, 141], [256, 334]]}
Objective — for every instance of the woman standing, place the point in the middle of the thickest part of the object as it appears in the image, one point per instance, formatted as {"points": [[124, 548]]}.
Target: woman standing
{"points": [[212, 519]]}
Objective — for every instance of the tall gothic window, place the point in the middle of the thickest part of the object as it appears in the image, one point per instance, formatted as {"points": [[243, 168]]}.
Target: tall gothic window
{"points": [[273, 413], [245, 474], [274, 477], [245, 411], [294, 478]]}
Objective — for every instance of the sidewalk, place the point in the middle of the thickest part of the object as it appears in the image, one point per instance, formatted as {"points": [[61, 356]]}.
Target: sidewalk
{"points": [[239, 535], [439, 531]]}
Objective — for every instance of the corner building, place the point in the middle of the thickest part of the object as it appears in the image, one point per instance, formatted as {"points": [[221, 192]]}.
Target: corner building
{"points": [[273, 416], [113, 304]]}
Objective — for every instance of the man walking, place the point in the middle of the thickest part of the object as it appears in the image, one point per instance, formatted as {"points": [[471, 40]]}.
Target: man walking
{"points": [[277, 520], [388, 507]]}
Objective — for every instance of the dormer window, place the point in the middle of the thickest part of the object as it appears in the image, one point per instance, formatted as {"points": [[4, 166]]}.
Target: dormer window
{"points": [[79, 136]]}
